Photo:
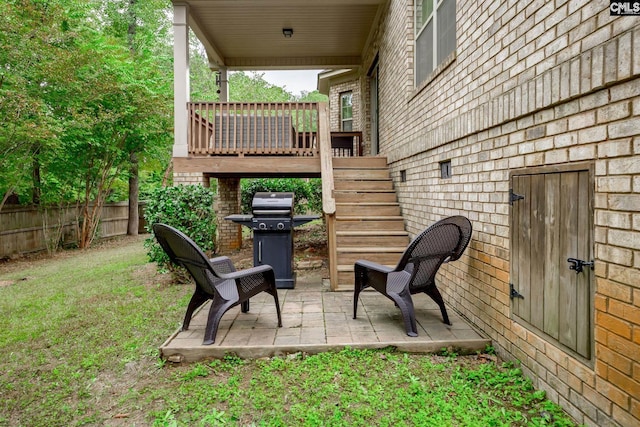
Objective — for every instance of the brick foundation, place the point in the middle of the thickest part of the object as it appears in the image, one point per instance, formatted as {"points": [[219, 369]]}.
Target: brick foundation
{"points": [[187, 178], [228, 203]]}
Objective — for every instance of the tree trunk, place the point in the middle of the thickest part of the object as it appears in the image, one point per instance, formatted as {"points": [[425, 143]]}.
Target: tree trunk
{"points": [[36, 193], [133, 223], [167, 174], [6, 196]]}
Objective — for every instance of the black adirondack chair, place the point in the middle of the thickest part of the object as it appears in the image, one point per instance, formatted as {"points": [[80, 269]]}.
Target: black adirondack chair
{"points": [[216, 279], [442, 242]]}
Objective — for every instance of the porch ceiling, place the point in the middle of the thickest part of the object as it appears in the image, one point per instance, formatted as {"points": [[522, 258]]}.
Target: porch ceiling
{"points": [[247, 34]]}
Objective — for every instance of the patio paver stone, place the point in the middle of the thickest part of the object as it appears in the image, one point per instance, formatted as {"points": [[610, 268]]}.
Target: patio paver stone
{"points": [[314, 320]]}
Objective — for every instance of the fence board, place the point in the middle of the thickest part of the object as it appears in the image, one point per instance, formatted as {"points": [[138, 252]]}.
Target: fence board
{"points": [[26, 229]]}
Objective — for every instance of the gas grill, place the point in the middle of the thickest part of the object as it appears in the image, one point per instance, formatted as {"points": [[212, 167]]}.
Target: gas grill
{"points": [[273, 222], [272, 211]]}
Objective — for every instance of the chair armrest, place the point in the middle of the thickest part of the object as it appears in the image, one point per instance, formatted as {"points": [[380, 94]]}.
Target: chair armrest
{"points": [[248, 272], [370, 265], [253, 280], [219, 259]]}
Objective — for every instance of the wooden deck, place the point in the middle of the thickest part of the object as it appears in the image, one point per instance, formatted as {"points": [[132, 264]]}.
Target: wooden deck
{"points": [[250, 166], [261, 139]]}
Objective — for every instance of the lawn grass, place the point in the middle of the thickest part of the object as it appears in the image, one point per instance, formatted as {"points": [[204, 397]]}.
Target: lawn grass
{"points": [[79, 341]]}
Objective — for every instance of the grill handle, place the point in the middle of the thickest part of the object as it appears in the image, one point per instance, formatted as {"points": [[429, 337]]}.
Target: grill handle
{"points": [[272, 212], [260, 251]]}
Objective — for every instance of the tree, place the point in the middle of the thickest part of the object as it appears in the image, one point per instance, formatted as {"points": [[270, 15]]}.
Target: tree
{"points": [[28, 126], [141, 26], [313, 96], [202, 79], [86, 101], [79, 102], [254, 88]]}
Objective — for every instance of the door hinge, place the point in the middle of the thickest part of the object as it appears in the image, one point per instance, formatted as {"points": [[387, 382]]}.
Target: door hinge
{"points": [[513, 293], [513, 197]]}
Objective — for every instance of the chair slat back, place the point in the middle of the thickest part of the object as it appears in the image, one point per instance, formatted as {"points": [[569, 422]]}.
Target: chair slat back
{"points": [[185, 252], [442, 242], [465, 234]]}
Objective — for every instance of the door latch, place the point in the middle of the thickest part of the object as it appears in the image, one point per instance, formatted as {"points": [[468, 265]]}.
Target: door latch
{"points": [[513, 293], [578, 264]]}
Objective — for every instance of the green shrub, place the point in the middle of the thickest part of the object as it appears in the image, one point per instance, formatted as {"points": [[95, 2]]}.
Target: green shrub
{"points": [[308, 193], [189, 208]]}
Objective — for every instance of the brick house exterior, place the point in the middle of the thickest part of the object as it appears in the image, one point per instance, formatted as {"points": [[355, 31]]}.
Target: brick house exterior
{"points": [[334, 104], [535, 89]]}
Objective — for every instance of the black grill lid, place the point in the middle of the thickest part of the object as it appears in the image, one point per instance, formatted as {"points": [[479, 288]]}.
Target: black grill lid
{"points": [[272, 204]]}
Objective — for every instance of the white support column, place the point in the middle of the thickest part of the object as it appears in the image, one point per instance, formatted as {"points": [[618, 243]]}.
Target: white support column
{"points": [[224, 85], [180, 78]]}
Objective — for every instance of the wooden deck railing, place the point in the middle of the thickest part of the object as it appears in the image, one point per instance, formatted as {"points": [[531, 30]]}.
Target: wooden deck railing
{"points": [[346, 144], [253, 128]]}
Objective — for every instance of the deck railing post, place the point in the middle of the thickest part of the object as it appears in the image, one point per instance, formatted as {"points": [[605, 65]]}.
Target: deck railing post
{"points": [[328, 200]]}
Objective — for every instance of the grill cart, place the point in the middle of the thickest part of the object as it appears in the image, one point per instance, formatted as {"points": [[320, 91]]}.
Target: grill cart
{"points": [[273, 222]]}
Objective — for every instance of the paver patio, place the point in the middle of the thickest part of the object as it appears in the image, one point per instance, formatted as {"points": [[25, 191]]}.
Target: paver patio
{"points": [[315, 320]]}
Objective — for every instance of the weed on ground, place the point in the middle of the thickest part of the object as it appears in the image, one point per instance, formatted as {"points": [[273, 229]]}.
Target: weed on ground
{"points": [[356, 388], [79, 345]]}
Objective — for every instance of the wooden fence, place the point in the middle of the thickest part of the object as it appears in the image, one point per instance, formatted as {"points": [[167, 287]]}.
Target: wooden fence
{"points": [[25, 229]]}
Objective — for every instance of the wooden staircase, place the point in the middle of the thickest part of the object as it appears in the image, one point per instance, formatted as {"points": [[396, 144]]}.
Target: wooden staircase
{"points": [[368, 224]]}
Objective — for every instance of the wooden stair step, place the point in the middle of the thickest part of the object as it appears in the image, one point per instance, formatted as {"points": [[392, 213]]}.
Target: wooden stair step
{"points": [[371, 209], [361, 174], [372, 204], [371, 249], [364, 233], [364, 190], [342, 185], [378, 225], [364, 218], [372, 240], [378, 239], [370, 195], [384, 196], [359, 162], [348, 268], [383, 258], [365, 195], [343, 287]]}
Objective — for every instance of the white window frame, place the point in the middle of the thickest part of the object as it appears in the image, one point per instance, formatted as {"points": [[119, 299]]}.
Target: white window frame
{"points": [[342, 118], [420, 28]]}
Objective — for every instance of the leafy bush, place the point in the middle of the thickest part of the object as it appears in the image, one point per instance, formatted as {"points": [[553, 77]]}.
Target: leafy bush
{"points": [[189, 208], [308, 193]]}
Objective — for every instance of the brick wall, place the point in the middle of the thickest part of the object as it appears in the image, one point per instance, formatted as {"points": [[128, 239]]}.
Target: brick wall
{"points": [[228, 203], [530, 84], [334, 104], [190, 178]]}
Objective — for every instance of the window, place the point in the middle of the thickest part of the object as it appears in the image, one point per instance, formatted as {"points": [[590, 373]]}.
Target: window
{"points": [[435, 34], [346, 111]]}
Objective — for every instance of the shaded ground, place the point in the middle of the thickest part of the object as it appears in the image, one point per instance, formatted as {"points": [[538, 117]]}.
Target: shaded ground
{"points": [[309, 252]]}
